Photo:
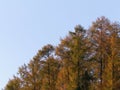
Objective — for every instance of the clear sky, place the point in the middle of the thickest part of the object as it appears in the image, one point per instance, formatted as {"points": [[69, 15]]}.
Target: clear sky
{"points": [[27, 25]]}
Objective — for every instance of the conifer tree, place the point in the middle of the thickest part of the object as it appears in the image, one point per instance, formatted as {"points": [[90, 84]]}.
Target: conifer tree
{"points": [[84, 60]]}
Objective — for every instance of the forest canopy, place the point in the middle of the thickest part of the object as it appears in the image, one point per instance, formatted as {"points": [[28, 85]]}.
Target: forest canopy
{"points": [[86, 59]]}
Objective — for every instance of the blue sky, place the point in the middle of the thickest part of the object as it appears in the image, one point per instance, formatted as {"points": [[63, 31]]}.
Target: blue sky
{"points": [[27, 25]]}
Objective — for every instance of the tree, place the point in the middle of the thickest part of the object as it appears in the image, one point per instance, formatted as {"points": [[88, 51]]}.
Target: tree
{"points": [[103, 37], [84, 60], [50, 72], [13, 84], [73, 52]]}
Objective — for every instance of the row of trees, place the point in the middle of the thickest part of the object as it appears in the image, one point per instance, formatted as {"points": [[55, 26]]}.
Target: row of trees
{"points": [[84, 60]]}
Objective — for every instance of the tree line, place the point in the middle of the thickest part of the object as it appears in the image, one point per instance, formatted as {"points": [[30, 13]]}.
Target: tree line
{"points": [[86, 59]]}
